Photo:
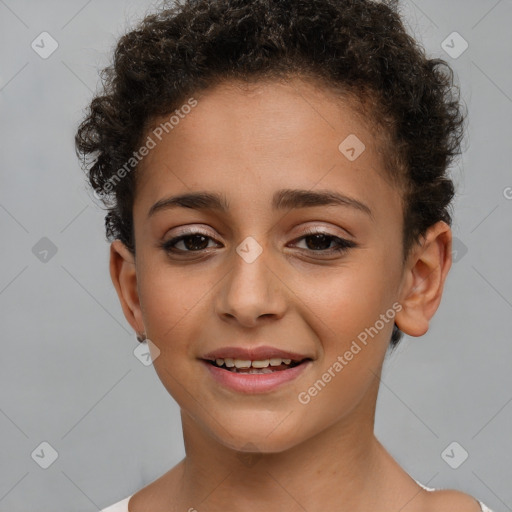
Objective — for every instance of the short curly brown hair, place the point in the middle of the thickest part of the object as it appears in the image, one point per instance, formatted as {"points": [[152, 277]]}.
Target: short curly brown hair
{"points": [[359, 48]]}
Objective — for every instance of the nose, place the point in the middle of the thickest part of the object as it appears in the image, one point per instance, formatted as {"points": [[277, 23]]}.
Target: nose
{"points": [[251, 293]]}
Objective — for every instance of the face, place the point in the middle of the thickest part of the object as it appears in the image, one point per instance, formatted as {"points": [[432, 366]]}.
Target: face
{"points": [[302, 252]]}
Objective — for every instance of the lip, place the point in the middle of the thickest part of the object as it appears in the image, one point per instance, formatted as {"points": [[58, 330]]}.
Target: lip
{"points": [[254, 354], [253, 383]]}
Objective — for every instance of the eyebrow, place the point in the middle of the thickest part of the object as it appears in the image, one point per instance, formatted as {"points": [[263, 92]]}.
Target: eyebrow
{"points": [[282, 200]]}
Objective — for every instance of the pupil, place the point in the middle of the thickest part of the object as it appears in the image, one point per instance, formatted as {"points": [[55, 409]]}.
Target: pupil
{"points": [[317, 237], [196, 246]]}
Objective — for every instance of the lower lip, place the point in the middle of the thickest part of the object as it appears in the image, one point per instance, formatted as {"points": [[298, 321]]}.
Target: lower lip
{"points": [[254, 382]]}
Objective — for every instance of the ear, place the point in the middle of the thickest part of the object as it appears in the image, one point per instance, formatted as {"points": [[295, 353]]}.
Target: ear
{"points": [[423, 280], [124, 277]]}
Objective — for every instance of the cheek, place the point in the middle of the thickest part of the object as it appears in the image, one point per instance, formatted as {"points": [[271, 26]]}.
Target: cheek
{"points": [[169, 297], [347, 300], [175, 304], [344, 310]]}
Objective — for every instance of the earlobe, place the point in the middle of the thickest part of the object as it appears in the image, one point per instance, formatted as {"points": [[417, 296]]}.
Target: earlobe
{"points": [[423, 281], [124, 277]]}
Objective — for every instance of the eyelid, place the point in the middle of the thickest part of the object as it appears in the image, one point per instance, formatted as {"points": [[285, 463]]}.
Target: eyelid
{"points": [[192, 230], [343, 244], [307, 229], [321, 230]]}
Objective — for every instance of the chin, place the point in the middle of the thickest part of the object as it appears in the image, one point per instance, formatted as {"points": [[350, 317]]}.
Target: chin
{"points": [[258, 437], [260, 446]]}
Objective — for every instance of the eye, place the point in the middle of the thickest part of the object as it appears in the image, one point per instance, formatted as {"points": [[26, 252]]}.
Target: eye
{"points": [[193, 241], [320, 242], [315, 241]]}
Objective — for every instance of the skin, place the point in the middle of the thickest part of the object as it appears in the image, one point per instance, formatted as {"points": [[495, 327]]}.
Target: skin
{"points": [[247, 143]]}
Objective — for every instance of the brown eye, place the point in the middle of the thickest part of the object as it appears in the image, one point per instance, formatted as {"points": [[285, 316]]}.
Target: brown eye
{"points": [[190, 242], [321, 242]]}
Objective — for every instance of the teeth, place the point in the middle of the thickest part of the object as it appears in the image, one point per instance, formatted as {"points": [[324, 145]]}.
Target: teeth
{"points": [[276, 361], [245, 363], [242, 363], [261, 364], [262, 370]]}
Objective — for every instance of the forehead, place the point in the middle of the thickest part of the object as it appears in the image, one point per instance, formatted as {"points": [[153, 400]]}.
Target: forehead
{"points": [[247, 140], [239, 115]]}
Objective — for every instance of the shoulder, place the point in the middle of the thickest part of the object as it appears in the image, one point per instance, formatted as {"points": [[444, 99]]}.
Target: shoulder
{"points": [[155, 496], [448, 500]]}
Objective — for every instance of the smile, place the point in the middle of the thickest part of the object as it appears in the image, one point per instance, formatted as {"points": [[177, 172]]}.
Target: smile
{"points": [[256, 376], [257, 366]]}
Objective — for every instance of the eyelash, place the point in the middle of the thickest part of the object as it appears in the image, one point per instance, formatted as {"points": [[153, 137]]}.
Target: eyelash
{"points": [[343, 245]]}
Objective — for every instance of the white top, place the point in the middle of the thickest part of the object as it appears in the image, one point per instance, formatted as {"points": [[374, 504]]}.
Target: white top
{"points": [[122, 506], [484, 508]]}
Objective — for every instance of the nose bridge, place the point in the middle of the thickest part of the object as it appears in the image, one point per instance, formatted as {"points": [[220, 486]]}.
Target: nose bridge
{"points": [[251, 291]]}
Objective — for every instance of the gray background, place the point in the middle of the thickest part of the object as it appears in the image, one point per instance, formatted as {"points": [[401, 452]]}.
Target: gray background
{"points": [[68, 373]]}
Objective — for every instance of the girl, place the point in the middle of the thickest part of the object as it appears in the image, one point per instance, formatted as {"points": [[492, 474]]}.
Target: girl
{"points": [[275, 174]]}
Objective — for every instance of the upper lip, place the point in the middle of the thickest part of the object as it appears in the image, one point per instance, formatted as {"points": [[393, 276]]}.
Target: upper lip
{"points": [[253, 354]]}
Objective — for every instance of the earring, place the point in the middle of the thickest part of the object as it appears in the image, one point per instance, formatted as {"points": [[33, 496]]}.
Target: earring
{"points": [[141, 338]]}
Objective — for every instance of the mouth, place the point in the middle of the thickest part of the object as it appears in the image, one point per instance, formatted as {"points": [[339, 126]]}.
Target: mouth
{"points": [[262, 369], [262, 366], [255, 376]]}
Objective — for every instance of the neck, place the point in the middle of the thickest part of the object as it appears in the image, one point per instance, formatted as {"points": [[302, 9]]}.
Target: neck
{"points": [[340, 467]]}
